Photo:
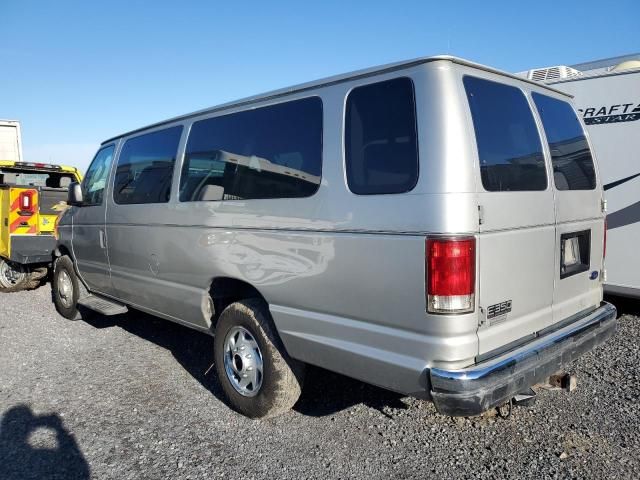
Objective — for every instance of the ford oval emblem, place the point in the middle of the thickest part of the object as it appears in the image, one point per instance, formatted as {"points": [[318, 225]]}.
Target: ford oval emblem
{"points": [[593, 275]]}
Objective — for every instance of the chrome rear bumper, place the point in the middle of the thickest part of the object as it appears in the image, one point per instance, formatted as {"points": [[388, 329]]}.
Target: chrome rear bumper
{"points": [[493, 382]]}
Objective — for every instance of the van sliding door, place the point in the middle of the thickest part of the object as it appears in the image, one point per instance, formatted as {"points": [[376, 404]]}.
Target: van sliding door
{"points": [[138, 220]]}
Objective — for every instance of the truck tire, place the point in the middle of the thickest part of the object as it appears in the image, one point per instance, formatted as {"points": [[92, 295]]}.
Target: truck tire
{"points": [[257, 375], [15, 277], [65, 288]]}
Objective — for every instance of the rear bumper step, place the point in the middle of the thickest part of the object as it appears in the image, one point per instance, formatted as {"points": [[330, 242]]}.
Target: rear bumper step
{"points": [[32, 249], [489, 384]]}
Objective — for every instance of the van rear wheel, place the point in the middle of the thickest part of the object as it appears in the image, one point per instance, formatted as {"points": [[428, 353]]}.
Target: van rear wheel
{"points": [[257, 375], [15, 277], [65, 288]]}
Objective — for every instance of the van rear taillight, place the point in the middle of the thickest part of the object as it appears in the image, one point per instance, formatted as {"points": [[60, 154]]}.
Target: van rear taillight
{"points": [[451, 274], [25, 201]]}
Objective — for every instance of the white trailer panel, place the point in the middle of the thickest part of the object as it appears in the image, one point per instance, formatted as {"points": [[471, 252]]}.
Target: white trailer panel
{"points": [[609, 102], [10, 141]]}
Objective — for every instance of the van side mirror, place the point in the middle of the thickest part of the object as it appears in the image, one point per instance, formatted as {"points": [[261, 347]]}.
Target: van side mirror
{"points": [[74, 197]]}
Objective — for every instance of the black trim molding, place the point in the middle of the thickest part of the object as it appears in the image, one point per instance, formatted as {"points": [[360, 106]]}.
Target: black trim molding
{"points": [[611, 185]]}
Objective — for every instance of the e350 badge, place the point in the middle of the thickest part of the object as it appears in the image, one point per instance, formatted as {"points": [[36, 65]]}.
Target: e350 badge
{"points": [[498, 310]]}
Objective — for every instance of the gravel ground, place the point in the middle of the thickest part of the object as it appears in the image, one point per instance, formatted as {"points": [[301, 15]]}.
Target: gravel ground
{"points": [[130, 397]]}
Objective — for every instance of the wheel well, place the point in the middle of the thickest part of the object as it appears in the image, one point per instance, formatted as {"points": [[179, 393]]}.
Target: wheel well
{"points": [[61, 251], [224, 291]]}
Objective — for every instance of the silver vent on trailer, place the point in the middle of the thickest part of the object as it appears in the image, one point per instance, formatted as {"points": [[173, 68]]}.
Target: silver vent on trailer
{"points": [[552, 73]]}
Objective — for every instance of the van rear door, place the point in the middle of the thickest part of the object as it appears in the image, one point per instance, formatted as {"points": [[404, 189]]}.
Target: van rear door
{"points": [[517, 232], [579, 212]]}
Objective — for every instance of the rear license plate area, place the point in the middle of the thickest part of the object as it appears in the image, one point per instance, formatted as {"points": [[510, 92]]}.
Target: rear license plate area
{"points": [[575, 253]]}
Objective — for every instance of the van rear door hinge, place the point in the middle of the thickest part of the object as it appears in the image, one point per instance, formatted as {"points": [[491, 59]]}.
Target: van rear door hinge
{"points": [[603, 205], [480, 215]]}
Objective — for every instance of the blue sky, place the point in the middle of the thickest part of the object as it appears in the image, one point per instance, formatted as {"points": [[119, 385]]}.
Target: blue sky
{"points": [[77, 72]]}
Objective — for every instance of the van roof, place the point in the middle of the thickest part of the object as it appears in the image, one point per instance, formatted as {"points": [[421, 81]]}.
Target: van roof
{"points": [[367, 72]]}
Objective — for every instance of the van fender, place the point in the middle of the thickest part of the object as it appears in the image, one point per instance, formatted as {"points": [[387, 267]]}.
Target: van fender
{"points": [[222, 292]]}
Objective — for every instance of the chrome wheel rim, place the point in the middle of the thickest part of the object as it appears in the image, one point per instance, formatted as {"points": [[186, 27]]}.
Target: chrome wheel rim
{"points": [[243, 362], [65, 288], [11, 274]]}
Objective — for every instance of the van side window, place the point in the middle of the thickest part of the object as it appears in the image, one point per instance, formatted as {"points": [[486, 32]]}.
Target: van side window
{"points": [[572, 162], [381, 142], [509, 146], [145, 167], [268, 152], [95, 180]]}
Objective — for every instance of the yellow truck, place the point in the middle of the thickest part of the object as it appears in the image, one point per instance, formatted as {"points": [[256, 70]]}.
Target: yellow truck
{"points": [[32, 195]]}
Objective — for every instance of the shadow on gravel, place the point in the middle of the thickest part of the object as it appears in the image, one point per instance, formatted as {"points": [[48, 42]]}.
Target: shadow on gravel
{"points": [[37, 447], [324, 393], [625, 306], [193, 350]]}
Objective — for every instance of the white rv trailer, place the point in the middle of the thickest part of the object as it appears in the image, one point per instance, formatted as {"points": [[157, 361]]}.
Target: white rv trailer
{"points": [[607, 94], [10, 141]]}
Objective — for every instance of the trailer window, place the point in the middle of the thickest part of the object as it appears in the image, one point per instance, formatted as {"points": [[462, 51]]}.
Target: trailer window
{"points": [[268, 152], [381, 143], [145, 167], [509, 146], [572, 162]]}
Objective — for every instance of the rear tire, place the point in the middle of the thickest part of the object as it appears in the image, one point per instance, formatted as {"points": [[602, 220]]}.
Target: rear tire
{"points": [[257, 375], [15, 277], [65, 288]]}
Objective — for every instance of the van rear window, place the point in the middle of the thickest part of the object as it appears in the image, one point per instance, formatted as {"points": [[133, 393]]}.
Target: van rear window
{"points": [[572, 162], [509, 146], [381, 145]]}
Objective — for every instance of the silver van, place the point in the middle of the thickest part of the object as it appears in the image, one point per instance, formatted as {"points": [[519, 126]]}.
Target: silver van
{"points": [[434, 227]]}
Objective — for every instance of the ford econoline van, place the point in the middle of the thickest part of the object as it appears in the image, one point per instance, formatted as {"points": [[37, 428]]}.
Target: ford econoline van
{"points": [[433, 227]]}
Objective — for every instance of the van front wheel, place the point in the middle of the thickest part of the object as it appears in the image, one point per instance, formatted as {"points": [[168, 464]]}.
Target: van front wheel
{"points": [[257, 375], [65, 288]]}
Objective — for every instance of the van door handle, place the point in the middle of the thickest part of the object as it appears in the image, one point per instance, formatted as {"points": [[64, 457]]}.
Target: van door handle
{"points": [[102, 240]]}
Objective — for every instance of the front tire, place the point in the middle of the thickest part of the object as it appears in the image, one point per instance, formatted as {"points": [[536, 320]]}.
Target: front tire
{"points": [[257, 375], [15, 277], [65, 288]]}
